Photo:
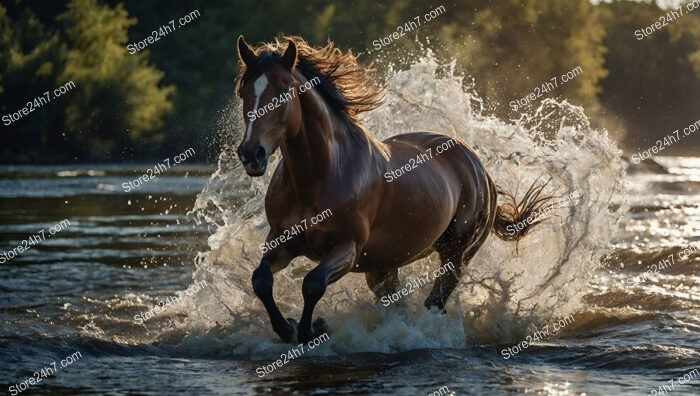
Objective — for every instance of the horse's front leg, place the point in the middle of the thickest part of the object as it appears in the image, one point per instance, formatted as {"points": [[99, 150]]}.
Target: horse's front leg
{"points": [[338, 263], [263, 281]]}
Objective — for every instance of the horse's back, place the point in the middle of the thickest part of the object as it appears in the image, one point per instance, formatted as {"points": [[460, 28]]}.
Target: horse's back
{"points": [[439, 153], [428, 180], [453, 165]]}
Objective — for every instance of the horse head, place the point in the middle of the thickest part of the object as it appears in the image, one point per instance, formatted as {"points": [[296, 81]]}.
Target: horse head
{"points": [[271, 104]]}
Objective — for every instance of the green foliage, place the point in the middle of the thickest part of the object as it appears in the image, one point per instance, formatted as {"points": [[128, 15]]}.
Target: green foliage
{"points": [[171, 95], [117, 104], [517, 46], [30, 57], [117, 100]]}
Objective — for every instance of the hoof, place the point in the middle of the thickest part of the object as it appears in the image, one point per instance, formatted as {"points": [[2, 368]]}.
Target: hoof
{"points": [[289, 332], [293, 323], [320, 327], [317, 328], [432, 305]]}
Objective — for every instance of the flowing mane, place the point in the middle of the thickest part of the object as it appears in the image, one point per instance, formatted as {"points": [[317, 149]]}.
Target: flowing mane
{"points": [[396, 203], [345, 85]]}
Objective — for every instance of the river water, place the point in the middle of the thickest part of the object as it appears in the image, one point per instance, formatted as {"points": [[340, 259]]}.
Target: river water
{"points": [[151, 287]]}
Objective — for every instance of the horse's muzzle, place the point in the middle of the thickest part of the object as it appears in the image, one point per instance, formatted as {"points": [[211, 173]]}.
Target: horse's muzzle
{"points": [[254, 161]]}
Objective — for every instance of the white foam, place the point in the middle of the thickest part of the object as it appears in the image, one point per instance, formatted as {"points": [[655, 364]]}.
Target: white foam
{"points": [[504, 291]]}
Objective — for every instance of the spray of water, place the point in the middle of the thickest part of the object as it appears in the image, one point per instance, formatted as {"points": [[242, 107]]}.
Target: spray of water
{"points": [[507, 290]]}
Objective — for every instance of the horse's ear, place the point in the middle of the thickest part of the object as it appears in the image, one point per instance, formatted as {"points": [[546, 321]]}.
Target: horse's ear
{"points": [[245, 53], [290, 55]]}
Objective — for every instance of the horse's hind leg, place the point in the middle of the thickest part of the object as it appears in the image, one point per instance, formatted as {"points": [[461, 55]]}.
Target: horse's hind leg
{"points": [[446, 283], [457, 246], [383, 283], [461, 240]]}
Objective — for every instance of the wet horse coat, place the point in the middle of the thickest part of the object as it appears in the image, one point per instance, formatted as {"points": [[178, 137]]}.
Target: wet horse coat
{"points": [[392, 202]]}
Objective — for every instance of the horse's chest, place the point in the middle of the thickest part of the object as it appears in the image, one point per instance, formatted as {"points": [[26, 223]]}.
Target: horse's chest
{"points": [[306, 230]]}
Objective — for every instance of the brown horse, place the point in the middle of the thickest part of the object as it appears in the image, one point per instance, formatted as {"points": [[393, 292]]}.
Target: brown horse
{"points": [[390, 203]]}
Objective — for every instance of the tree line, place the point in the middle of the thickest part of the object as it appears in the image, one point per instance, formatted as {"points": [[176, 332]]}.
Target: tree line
{"points": [[173, 92]]}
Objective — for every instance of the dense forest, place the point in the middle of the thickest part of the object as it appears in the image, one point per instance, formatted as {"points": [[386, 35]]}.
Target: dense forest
{"points": [[81, 81]]}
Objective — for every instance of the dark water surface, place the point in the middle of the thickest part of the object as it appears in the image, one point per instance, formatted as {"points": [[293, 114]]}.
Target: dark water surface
{"points": [[80, 288]]}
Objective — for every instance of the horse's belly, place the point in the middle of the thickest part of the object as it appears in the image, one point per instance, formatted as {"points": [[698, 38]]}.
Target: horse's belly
{"points": [[409, 231], [386, 251]]}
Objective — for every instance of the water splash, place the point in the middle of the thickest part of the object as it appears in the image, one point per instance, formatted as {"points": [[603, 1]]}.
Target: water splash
{"points": [[507, 289]]}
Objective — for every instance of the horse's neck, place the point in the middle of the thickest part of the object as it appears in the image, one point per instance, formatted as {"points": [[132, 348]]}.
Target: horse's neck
{"points": [[321, 149]]}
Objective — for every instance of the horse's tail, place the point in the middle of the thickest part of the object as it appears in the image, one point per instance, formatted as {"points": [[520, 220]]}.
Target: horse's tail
{"points": [[514, 219]]}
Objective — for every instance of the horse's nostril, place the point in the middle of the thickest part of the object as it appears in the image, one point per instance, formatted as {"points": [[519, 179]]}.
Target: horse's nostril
{"points": [[260, 153]]}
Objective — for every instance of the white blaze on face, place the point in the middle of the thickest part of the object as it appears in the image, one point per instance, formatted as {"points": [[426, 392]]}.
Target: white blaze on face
{"points": [[259, 87]]}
